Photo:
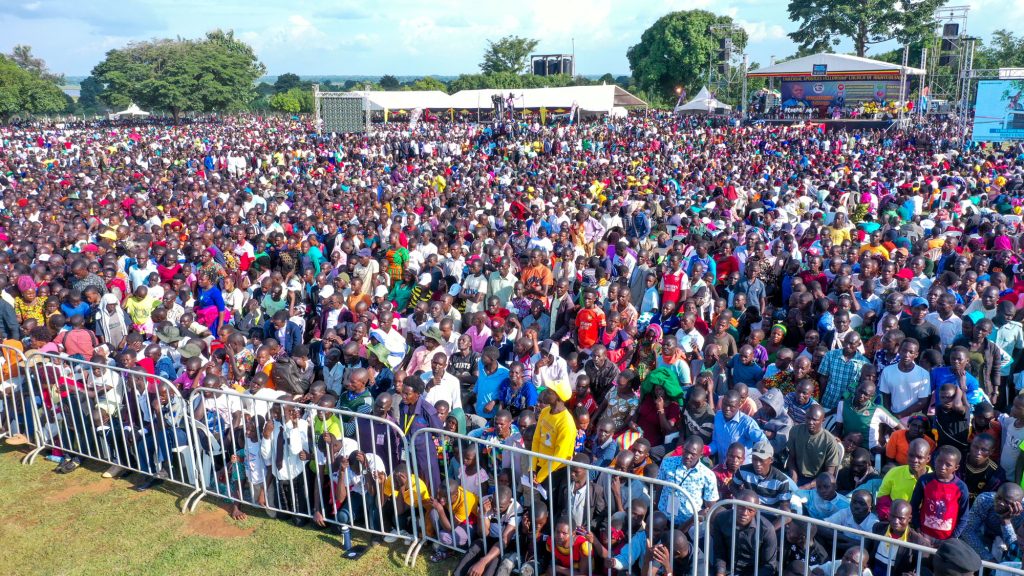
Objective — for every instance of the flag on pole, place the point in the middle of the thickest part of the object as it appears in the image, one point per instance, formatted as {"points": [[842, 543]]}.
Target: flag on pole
{"points": [[386, 113], [543, 115], [573, 111]]}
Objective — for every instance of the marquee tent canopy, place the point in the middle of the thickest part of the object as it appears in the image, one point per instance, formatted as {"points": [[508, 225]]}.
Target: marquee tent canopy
{"points": [[130, 111], [589, 99], [593, 99], [704, 103], [406, 100], [834, 65]]}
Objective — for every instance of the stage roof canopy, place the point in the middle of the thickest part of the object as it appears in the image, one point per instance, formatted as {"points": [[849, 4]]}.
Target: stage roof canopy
{"points": [[826, 65]]}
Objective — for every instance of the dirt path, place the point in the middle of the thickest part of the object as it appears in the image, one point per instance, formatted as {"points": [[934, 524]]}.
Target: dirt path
{"points": [[215, 524]]}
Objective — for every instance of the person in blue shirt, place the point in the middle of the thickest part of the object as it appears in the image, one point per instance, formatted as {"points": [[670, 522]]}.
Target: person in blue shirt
{"points": [[702, 256], [516, 393], [731, 425], [491, 376], [954, 374]]}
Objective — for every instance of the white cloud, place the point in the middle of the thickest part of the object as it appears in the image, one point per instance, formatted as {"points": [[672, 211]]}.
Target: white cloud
{"points": [[761, 31], [556, 22]]}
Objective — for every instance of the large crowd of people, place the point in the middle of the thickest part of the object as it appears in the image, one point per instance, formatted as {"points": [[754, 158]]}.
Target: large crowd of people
{"points": [[825, 322]]}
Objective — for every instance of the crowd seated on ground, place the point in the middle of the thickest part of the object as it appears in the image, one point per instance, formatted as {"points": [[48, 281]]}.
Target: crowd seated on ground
{"points": [[823, 323]]}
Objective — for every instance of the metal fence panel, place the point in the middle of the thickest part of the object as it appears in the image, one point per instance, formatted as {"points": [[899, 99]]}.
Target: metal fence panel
{"points": [[721, 551], [19, 422], [301, 461], [125, 418], [626, 520]]}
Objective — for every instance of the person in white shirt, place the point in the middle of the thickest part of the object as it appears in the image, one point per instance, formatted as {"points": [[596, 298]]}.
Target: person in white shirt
{"points": [[945, 321], [440, 384], [906, 387], [286, 447]]}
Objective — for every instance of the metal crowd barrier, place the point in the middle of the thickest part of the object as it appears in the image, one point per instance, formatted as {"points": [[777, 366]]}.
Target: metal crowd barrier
{"points": [[18, 407], [623, 493], [296, 472], [121, 417], [854, 538]]}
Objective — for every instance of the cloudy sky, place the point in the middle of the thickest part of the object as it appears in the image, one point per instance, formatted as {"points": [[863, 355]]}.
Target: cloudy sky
{"points": [[403, 37]]}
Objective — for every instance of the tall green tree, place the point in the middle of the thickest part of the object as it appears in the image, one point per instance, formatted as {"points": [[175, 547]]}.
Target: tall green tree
{"points": [[509, 54], [677, 50], [215, 73], [22, 91], [285, 102], [22, 56], [389, 82], [825, 23], [427, 83], [1004, 50], [286, 82], [89, 95]]}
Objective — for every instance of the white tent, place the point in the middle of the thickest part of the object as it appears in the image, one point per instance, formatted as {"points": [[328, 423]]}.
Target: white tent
{"points": [[131, 111], [406, 100], [831, 65], [704, 103], [592, 99], [589, 99]]}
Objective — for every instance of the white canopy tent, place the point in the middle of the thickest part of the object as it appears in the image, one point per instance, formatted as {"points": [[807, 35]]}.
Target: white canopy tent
{"points": [[834, 65], [704, 103], [406, 100], [130, 112], [589, 99]]}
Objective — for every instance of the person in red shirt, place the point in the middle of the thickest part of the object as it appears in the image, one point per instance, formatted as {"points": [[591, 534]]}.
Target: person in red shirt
{"points": [[589, 322], [672, 282], [940, 499], [725, 262]]}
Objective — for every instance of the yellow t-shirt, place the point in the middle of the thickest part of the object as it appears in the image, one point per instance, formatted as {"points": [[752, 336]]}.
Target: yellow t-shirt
{"points": [[876, 250], [839, 235], [555, 436], [140, 311], [463, 508], [899, 483], [407, 494]]}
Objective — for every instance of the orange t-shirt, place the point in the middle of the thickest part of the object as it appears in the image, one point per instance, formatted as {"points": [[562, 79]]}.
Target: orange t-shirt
{"points": [[897, 447]]}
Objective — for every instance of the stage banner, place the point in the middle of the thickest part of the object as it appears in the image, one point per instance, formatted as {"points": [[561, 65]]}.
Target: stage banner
{"points": [[999, 111], [803, 94]]}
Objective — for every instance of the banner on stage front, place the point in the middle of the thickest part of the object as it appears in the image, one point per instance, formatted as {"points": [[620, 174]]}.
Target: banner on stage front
{"points": [[999, 111], [824, 94]]}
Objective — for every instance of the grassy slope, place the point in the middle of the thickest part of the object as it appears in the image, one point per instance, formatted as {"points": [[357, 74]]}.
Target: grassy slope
{"points": [[84, 524]]}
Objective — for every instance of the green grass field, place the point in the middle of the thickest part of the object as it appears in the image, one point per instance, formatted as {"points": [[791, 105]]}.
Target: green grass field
{"points": [[81, 523]]}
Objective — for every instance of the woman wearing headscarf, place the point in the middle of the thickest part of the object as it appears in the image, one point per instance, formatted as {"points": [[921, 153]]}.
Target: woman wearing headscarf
{"points": [[112, 323], [645, 359], [26, 304]]}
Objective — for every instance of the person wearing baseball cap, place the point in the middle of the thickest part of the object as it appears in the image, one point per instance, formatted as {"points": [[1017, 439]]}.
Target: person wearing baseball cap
{"points": [[771, 484]]}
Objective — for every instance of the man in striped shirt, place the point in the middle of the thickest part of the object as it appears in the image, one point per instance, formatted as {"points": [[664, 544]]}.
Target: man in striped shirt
{"points": [[771, 485]]}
